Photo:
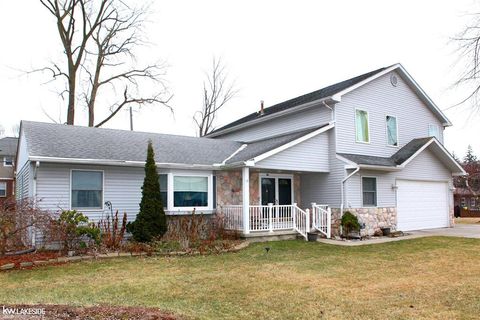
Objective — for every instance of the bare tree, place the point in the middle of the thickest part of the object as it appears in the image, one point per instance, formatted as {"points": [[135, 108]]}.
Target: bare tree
{"points": [[217, 91], [469, 52], [99, 39]]}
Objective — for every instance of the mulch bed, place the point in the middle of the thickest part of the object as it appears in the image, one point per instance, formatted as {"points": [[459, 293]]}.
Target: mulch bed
{"points": [[29, 257], [92, 313]]}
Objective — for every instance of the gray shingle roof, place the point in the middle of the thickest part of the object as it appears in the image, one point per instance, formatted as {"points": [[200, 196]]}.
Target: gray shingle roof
{"points": [[75, 142], [8, 146], [397, 159], [309, 97], [63, 141]]}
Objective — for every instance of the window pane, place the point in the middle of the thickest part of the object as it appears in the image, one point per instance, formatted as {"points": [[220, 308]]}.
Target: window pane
{"points": [[369, 184], [369, 187], [8, 161], [163, 179], [3, 189], [361, 119], [433, 131], [369, 199], [392, 131], [190, 191], [214, 187], [87, 188]]}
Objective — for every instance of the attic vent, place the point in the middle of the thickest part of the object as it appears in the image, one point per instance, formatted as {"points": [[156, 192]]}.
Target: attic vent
{"points": [[393, 80]]}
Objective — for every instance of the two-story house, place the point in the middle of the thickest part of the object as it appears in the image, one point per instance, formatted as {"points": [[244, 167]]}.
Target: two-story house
{"points": [[8, 149], [372, 145]]}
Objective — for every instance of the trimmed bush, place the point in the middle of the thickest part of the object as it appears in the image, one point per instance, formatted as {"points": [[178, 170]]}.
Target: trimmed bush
{"points": [[349, 223], [151, 221]]}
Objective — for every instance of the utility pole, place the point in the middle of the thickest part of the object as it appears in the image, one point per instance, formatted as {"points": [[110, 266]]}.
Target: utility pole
{"points": [[131, 119]]}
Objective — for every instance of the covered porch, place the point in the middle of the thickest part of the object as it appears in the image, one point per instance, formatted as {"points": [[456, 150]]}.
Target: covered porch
{"points": [[262, 203]]}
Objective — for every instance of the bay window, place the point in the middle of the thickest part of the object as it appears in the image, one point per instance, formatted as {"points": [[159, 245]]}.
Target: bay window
{"points": [[190, 191], [87, 189], [362, 133]]}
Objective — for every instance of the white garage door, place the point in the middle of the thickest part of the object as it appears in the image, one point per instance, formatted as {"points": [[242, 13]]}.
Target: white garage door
{"points": [[421, 205]]}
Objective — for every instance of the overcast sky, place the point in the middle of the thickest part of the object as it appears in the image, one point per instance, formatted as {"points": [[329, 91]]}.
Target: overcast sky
{"points": [[275, 50]]}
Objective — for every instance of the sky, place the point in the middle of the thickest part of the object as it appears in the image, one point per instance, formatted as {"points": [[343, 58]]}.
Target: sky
{"points": [[273, 51]]}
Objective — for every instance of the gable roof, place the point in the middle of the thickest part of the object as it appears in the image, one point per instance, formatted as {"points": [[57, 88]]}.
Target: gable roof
{"points": [[8, 146], [406, 154], [334, 92], [76, 144]]}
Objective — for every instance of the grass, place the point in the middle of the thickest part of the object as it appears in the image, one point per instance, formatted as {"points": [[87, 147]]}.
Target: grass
{"points": [[425, 278], [467, 220]]}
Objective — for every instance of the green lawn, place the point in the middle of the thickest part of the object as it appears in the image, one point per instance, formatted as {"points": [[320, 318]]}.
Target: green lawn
{"points": [[422, 278]]}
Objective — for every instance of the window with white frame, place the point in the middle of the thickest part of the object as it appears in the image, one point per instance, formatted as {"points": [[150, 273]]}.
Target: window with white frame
{"points": [[362, 133], [3, 189], [472, 202], [433, 131], [163, 179], [392, 131], [7, 161], [87, 189], [190, 191], [369, 190], [463, 202]]}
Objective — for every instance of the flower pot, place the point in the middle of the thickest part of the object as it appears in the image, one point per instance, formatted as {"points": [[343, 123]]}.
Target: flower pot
{"points": [[385, 231], [312, 237]]}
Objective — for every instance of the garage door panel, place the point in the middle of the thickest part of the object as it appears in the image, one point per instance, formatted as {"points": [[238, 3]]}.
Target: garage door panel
{"points": [[421, 205]]}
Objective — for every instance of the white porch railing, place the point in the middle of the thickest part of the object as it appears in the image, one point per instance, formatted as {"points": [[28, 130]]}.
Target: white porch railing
{"points": [[322, 219], [268, 218]]}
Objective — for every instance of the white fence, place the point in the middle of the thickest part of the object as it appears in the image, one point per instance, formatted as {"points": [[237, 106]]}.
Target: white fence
{"points": [[322, 219]]}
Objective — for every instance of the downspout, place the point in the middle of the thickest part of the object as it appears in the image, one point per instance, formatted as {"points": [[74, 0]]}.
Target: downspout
{"points": [[34, 193], [343, 187]]}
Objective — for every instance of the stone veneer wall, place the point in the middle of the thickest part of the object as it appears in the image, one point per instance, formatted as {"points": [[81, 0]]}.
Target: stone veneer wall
{"points": [[373, 218], [229, 188]]}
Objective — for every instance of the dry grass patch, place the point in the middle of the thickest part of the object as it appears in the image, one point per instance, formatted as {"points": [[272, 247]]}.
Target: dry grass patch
{"points": [[467, 220], [422, 278]]}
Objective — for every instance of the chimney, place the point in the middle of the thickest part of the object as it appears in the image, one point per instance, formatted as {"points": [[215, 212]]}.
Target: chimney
{"points": [[261, 108]]}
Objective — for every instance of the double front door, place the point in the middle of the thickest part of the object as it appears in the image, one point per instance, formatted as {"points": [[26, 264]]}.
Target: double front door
{"points": [[276, 190]]}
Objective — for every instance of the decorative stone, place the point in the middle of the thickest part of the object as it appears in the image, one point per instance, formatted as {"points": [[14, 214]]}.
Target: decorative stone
{"points": [[7, 266], [26, 264], [40, 262], [75, 258]]}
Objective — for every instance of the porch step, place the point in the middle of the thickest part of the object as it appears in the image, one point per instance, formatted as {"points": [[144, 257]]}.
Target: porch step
{"points": [[261, 236]]}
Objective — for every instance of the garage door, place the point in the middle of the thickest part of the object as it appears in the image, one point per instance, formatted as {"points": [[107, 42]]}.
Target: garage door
{"points": [[421, 205]]}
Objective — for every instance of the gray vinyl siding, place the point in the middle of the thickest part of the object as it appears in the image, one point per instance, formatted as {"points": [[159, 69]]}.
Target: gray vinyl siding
{"points": [[23, 182], [310, 155], [324, 188], [303, 119], [425, 166], [122, 186], [380, 98]]}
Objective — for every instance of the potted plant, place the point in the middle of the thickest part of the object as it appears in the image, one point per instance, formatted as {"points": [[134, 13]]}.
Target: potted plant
{"points": [[349, 224], [312, 236]]}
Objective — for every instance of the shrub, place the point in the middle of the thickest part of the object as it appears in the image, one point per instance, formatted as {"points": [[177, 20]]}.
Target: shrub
{"points": [[349, 223], [110, 233], [17, 219], [151, 221], [71, 227]]}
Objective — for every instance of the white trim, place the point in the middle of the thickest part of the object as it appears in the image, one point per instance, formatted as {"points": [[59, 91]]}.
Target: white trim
{"points": [[103, 191], [368, 125], [243, 146], [171, 191], [291, 143], [418, 89], [396, 127], [5, 161], [376, 191], [6, 187]]}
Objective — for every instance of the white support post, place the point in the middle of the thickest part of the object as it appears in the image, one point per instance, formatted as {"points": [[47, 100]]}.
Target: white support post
{"points": [[270, 220], [246, 199], [314, 214], [294, 213], [329, 223], [307, 221]]}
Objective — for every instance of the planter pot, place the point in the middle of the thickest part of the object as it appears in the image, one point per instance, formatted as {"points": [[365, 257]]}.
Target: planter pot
{"points": [[312, 237], [71, 253], [385, 231]]}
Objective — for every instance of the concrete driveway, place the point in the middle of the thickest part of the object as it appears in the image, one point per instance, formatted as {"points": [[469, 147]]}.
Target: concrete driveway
{"points": [[460, 230]]}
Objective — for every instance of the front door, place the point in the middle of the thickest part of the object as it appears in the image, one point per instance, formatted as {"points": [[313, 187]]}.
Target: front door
{"points": [[276, 190]]}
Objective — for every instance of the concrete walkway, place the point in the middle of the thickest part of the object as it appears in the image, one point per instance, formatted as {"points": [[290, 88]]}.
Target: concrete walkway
{"points": [[460, 230]]}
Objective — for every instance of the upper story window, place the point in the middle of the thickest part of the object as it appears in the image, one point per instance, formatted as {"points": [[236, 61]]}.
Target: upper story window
{"points": [[434, 131], [163, 179], [472, 202], [392, 131], [87, 189], [3, 189], [361, 126], [190, 191], [369, 190], [463, 202], [7, 161]]}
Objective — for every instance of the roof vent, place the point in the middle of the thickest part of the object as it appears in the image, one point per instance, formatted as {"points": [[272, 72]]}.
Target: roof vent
{"points": [[393, 80], [262, 111]]}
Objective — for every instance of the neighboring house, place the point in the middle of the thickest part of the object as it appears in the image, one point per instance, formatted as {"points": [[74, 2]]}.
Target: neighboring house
{"points": [[8, 149], [372, 145], [466, 203]]}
